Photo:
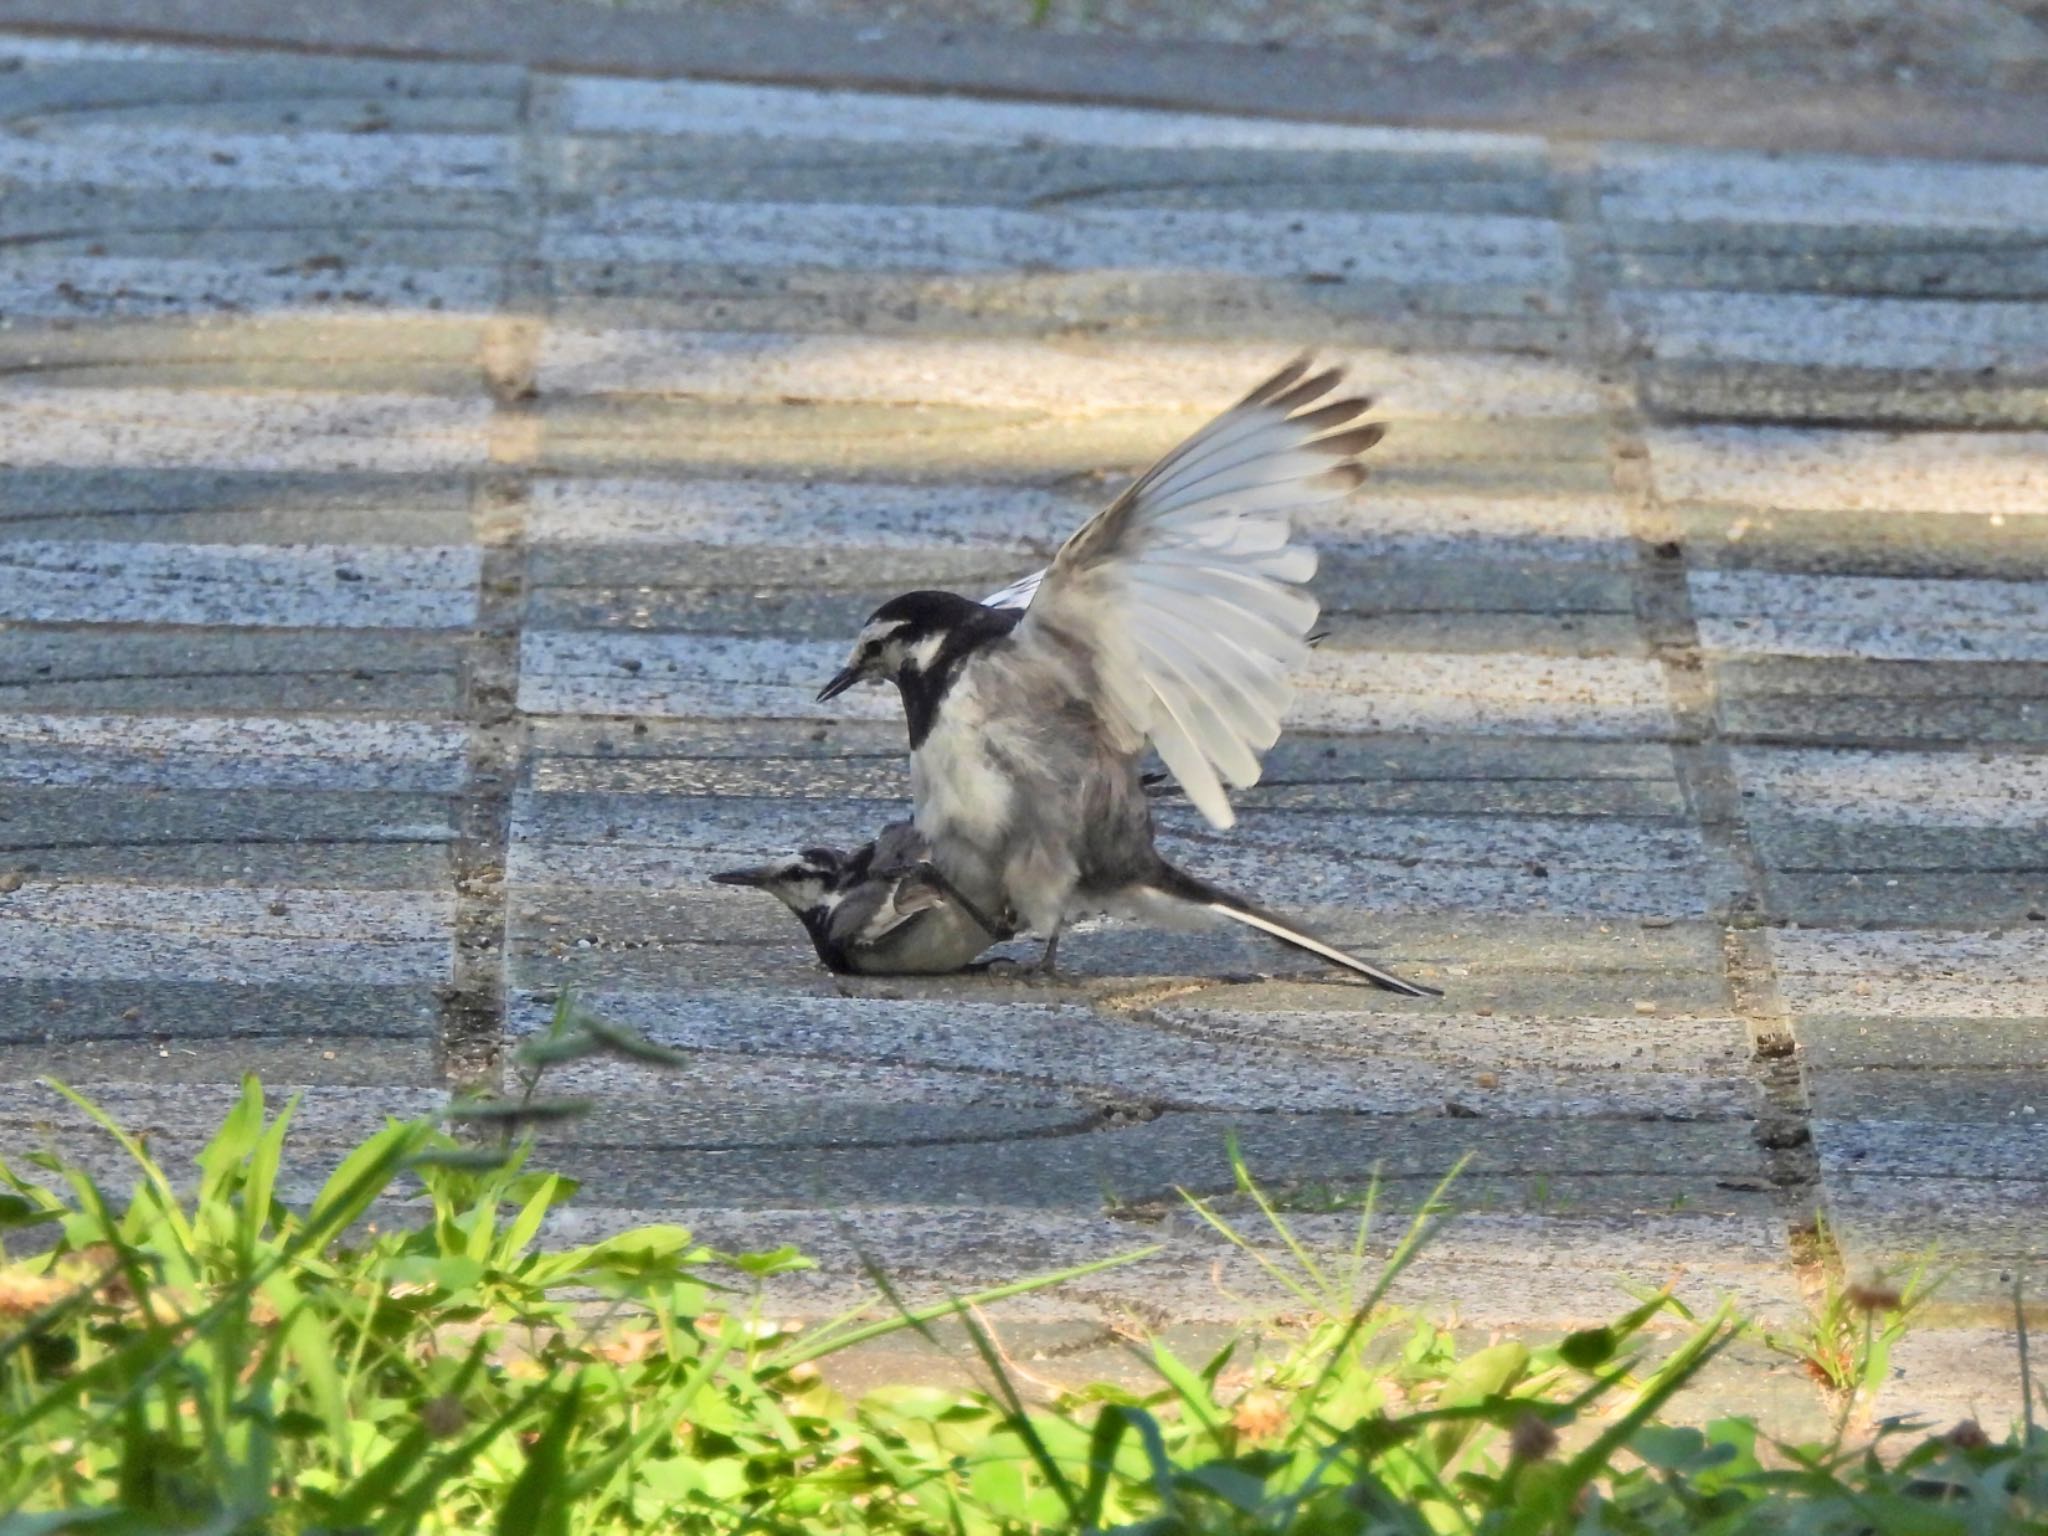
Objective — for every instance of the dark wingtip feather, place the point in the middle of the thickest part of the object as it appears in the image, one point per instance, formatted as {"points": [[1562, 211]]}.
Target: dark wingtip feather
{"points": [[1336, 414], [1352, 443], [1310, 389], [1280, 382]]}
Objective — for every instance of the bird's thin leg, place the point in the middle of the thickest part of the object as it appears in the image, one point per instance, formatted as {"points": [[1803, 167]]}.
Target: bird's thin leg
{"points": [[1052, 944], [954, 894]]}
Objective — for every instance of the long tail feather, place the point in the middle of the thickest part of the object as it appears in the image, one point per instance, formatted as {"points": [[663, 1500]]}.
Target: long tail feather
{"points": [[1182, 886], [1314, 946]]}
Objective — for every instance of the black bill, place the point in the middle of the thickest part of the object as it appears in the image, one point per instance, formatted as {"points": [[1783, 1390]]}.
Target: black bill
{"points": [[845, 679]]}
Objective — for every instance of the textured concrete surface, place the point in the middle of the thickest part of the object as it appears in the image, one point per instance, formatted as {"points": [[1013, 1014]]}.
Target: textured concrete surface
{"points": [[1949, 78], [430, 495], [1806, 39]]}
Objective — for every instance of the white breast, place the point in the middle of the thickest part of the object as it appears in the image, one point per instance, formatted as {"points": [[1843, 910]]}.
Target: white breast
{"points": [[959, 794]]}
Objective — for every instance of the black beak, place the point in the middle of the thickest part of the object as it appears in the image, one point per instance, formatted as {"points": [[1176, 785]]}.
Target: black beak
{"points": [[756, 877], [843, 680]]}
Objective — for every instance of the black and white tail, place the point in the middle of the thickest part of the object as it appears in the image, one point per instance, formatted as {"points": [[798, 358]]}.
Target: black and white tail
{"points": [[1179, 885]]}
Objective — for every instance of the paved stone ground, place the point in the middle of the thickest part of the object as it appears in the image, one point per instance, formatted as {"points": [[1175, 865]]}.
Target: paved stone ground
{"points": [[1968, 42], [430, 494]]}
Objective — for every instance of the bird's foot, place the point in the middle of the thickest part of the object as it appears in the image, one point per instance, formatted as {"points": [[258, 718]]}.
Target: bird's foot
{"points": [[1014, 973]]}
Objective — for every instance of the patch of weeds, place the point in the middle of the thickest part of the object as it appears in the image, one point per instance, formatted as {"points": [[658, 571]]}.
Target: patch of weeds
{"points": [[254, 1355], [1845, 1342], [399, 1349]]}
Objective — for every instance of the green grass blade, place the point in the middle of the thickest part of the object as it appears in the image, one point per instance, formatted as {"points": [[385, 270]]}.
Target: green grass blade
{"points": [[1419, 1231], [1278, 1223], [220, 1160], [513, 1114], [366, 1171], [1559, 1492], [1103, 1440], [1161, 1463], [370, 1168], [376, 1485], [315, 1352], [659, 1425], [537, 1504], [526, 1225], [631, 1044], [816, 1347], [153, 1174], [264, 1160], [1016, 1417], [1194, 1391], [1280, 1276]]}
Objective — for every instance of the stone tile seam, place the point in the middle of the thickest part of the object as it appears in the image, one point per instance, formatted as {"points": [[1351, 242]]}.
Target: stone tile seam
{"points": [[1932, 746], [1700, 754], [1090, 1121], [473, 1008]]}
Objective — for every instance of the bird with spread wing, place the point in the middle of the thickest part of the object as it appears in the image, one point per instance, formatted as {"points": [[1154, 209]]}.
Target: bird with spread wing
{"points": [[1171, 619]]}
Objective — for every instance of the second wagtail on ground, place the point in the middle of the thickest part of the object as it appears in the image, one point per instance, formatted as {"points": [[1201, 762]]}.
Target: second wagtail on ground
{"points": [[880, 910]]}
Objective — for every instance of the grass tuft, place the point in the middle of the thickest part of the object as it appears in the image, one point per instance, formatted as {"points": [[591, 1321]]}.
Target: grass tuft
{"points": [[400, 1347]]}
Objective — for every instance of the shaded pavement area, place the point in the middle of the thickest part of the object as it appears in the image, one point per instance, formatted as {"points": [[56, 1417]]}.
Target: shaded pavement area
{"points": [[430, 495]]}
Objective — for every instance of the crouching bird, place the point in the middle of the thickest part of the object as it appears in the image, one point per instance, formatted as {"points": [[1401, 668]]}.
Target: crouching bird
{"points": [[884, 910], [880, 910], [1172, 618]]}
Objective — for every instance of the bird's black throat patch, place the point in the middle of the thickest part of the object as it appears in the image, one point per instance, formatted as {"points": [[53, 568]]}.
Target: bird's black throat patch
{"points": [[967, 629], [817, 921]]}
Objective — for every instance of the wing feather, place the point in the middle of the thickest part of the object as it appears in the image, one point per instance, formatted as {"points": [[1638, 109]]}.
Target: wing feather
{"points": [[1017, 594], [1306, 478], [1249, 708], [1231, 438], [1189, 768], [1199, 705], [1188, 591], [903, 902], [1268, 646]]}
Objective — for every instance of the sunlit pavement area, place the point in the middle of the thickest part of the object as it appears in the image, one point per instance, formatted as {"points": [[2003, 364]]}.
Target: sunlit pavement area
{"points": [[430, 496]]}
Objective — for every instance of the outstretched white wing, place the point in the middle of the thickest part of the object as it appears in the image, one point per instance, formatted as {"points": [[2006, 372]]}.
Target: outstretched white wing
{"points": [[1187, 591]]}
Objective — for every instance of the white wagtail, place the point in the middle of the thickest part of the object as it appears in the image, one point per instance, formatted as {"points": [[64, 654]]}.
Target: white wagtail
{"points": [[880, 910], [1171, 617]]}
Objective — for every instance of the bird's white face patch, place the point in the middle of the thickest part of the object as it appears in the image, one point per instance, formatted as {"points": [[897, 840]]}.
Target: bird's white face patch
{"points": [[876, 650], [799, 884], [884, 649], [878, 634], [922, 654]]}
